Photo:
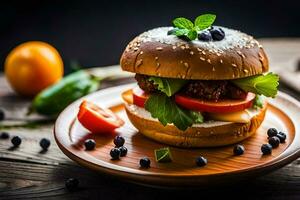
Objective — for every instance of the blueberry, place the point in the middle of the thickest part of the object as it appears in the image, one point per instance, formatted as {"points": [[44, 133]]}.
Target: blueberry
{"points": [[272, 132], [16, 141], [115, 153], [145, 162], [266, 149], [45, 143], [2, 115], [274, 141], [217, 33], [201, 161], [281, 136], [123, 151], [119, 141], [205, 36], [4, 135], [72, 184], [238, 150], [89, 144]]}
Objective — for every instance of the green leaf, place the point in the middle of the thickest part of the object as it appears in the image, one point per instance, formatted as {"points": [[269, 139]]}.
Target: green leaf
{"points": [[166, 111], [261, 84], [258, 101], [183, 23], [169, 86], [197, 116], [163, 155], [180, 32], [204, 21], [192, 34]]}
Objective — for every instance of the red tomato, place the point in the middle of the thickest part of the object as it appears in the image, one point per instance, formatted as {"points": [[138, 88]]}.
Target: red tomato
{"points": [[222, 106], [139, 97], [96, 119]]}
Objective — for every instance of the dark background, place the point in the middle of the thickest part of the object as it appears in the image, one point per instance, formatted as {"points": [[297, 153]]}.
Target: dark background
{"points": [[94, 33]]}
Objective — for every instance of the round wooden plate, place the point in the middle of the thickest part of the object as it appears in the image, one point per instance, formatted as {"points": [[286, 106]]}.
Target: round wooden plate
{"points": [[283, 113]]}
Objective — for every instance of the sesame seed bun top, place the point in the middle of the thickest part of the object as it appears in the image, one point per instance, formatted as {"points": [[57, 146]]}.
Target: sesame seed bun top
{"points": [[156, 53]]}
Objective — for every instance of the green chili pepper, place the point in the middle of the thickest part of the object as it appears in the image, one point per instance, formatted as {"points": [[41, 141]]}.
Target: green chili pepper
{"points": [[54, 99]]}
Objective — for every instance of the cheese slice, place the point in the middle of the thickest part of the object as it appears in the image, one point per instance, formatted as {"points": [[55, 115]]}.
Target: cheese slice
{"points": [[243, 116]]}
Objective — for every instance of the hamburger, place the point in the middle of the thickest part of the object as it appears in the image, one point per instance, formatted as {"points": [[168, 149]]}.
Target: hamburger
{"points": [[198, 85]]}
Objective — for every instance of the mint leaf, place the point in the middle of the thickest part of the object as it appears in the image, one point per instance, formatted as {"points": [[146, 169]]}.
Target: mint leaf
{"points": [[261, 84], [183, 23], [163, 155], [192, 34], [180, 32], [166, 111], [204, 21], [258, 101], [169, 86]]}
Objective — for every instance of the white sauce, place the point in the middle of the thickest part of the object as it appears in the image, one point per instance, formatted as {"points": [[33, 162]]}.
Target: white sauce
{"points": [[233, 39]]}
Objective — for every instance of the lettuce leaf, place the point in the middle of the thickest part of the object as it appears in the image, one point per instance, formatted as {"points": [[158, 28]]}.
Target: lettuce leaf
{"points": [[258, 101], [166, 111], [261, 84], [169, 86]]}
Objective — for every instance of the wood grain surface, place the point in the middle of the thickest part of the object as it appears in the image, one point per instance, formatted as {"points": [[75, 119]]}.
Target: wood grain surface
{"points": [[25, 173], [222, 165]]}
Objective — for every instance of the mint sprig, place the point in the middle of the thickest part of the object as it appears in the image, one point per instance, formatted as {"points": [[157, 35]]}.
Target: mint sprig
{"points": [[204, 21], [185, 27]]}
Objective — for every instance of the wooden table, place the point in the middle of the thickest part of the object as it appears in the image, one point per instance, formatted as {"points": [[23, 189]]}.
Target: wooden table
{"points": [[28, 173]]}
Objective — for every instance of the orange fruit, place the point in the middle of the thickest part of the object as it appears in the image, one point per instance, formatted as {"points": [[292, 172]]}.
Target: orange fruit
{"points": [[33, 66]]}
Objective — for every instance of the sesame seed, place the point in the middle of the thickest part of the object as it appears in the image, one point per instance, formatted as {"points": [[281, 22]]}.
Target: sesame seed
{"points": [[135, 48], [245, 70], [182, 47], [174, 47], [234, 65], [181, 61], [186, 64], [203, 52], [159, 48], [221, 61], [208, 60], [141, 52], [213, 69], [201, 58], [156, 58], [218, 54], [191, 52], [139, 63], [157, 64], [199, 49]]}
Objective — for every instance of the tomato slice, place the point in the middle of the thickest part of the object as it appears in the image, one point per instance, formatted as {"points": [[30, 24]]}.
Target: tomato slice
{"points": [[96, 119], [222, 106], [139, 97]]}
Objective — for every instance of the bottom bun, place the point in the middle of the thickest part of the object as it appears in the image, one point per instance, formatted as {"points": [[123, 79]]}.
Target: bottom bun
{"points": [[208, 134]]}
